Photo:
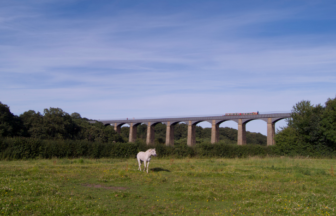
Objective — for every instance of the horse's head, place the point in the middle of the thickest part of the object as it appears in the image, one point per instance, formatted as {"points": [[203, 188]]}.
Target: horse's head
{"points": [[153, 152]]}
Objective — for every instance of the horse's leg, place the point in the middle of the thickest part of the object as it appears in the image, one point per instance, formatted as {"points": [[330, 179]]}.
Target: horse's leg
{"points": [[139, 162], [147, 166]]}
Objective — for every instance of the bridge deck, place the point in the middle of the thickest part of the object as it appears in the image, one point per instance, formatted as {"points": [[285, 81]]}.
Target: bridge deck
{"points": [[192, 121], [198, 119]]}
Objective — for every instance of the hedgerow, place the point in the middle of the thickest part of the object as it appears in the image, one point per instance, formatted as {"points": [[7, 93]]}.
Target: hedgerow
{"points": [[30, 148]]}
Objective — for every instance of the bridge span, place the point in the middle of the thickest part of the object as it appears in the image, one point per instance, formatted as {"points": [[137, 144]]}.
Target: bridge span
{"points": [[215, 121]]}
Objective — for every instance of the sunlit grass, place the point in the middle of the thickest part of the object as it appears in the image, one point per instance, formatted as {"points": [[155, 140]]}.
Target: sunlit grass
{"points": [[252, 186]]}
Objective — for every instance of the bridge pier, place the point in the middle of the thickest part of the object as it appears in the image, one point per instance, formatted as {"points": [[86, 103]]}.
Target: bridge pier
{"points": [[191, 141], [117, 128], [170, 134], [241, 140], [270, 132], [133, 132], [241, 119], [150, 134], [214, 132]]}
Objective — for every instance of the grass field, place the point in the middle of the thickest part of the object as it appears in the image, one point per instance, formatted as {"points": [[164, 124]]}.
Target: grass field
{"points": [[252, 186]]}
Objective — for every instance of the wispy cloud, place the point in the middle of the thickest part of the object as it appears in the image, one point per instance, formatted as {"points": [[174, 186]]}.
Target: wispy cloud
{"points": [[129, 61]]}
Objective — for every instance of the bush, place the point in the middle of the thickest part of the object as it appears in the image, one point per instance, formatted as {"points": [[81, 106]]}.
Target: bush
{"points": [[26, 148], [19, 148], [310, 131], [288, 143], [232, 151]]}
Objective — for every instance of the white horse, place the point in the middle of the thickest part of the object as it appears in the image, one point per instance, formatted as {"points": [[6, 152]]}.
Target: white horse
{"points": [[145, 157]]}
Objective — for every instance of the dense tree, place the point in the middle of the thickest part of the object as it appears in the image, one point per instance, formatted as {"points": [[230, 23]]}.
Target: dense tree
{"points": [[58, 124], [180, 131], [160, 132], [228, 133], [125, 133], [54, 123], [256, 138], [6, 121], [306, 120], [33, 124], [76, 116], [311, 129], [10, 124], [328, 123], [94, 132]]}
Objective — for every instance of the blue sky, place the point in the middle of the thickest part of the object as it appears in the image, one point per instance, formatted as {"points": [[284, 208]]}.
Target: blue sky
{"points": [[119, 59]]}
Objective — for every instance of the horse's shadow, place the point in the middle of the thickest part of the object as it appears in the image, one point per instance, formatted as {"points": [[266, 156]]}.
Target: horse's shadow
{"points": [[159, 169]]}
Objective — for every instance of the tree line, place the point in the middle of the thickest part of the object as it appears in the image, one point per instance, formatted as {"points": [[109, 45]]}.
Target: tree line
{"points": [[311, 131], [311, 128], [55, 124]]}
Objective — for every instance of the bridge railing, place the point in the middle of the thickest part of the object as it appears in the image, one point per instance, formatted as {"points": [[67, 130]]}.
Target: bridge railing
{"points": [[190, 116]]}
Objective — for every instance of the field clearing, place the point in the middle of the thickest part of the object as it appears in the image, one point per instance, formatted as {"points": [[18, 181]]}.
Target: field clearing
{"points": [[251, 186]]}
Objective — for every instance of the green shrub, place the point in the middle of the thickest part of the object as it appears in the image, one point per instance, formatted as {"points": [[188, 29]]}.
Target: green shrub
{"points": [[288, 143], [26, 148], [232, 151]]}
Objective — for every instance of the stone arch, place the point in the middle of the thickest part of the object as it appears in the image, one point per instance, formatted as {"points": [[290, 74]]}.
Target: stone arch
{"points": [[275, 120], [281, 123], [117, 126], [177, 122], [196, 122], [170, 129], [150, 136], [203, 126], [251, 125], [133, 131], [122, 124], [151, 123], [215, 129], [191, 138], [218, 122], [271, 128]]}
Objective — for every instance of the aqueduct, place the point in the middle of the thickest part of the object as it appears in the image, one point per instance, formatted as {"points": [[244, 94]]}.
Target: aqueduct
{"points": [[215, 121]]}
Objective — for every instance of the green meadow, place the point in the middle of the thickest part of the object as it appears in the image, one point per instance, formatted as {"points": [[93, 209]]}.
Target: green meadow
{"points": [[250, 186]]}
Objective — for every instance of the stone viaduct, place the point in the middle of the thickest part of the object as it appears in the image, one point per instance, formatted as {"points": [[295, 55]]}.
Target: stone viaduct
{"points": [[215, 121]]}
